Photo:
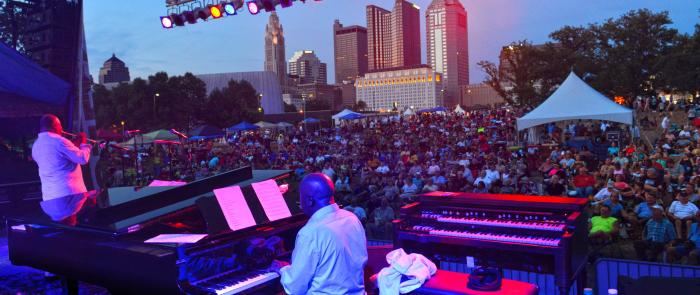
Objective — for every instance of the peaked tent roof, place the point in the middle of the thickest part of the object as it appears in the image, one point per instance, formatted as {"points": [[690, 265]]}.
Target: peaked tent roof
{"points": [[574, 100], [23, 77], [344, 113], [266, 125], [242, 126]]}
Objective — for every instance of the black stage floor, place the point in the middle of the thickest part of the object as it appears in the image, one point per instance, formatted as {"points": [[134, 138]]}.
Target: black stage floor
{"points": [[27, 280]]}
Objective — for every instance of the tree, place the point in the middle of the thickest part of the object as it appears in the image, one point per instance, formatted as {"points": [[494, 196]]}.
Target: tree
{"points": [[13, 22], [236, 102], [519, 79], [359, 106]]}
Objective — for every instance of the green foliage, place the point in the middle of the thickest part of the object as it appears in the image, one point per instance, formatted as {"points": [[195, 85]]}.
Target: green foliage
{"points": [[360, 105], [635, 55], [175, 102], [13, 22]]}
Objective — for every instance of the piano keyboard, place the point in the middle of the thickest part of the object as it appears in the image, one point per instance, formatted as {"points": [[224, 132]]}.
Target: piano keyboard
{"points": [[487, 236], [499, 223], [235, 282]]}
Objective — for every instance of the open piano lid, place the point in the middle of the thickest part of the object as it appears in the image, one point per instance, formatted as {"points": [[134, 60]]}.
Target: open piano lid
{"points": [[119, 210]]}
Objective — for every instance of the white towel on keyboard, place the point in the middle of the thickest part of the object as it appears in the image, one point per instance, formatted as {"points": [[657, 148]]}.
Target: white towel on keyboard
{"points": [[415, 266]]}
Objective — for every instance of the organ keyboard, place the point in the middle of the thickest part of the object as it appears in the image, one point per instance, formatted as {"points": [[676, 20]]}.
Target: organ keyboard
{"points": [[531, 233]]}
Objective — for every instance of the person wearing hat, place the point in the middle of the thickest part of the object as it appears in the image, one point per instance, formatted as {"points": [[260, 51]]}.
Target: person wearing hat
{"points": [[657, 233]]}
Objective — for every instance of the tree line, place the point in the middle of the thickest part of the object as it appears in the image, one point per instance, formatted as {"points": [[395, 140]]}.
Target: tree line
{"points": [[181, 102], [635, 55]]}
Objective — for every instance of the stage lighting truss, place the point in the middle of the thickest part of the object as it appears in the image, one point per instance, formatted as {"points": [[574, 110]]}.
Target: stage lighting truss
{"points": [[181, 12]]}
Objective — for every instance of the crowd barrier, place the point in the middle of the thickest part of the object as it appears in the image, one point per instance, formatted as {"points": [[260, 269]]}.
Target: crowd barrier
{"points": [[608, 270]]}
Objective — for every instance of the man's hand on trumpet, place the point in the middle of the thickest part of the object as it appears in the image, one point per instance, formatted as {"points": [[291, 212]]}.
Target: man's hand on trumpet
{"points": [[79, 139]]}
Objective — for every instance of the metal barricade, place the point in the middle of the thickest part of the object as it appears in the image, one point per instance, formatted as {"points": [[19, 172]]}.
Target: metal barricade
{"points": [[608, 270]]}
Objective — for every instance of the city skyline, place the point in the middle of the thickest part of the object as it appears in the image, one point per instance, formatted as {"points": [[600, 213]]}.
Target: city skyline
{"points": [[236, 43]]}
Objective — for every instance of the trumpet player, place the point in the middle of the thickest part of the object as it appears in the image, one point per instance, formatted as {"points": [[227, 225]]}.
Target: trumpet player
{"points": [[59, 159]]}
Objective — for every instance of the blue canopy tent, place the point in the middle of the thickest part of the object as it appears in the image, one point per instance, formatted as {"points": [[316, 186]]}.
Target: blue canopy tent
{"points": [[205, 132], [243, 126], [433, 110], [311, 120], [352, 117]]}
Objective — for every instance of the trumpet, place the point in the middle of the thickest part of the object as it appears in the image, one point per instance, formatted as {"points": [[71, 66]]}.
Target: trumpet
{"points": [[72, 135], [101, 144]]}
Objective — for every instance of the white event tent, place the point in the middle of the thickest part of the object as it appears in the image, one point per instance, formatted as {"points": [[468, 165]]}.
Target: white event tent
{"points": [[575, 100]]}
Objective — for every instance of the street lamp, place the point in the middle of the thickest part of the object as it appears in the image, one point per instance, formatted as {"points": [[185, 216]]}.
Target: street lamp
{"points": [[154, 104]]}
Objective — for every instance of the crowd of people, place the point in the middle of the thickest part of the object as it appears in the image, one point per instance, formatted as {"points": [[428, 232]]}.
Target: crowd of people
{"points": [[641, 191]]}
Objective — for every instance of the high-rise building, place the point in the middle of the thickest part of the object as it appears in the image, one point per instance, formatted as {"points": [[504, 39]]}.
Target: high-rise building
{"points": [[350, 51], [447, 45], [308, 67], [114, 70], [393, 37], [274, 49], [416, 87]]}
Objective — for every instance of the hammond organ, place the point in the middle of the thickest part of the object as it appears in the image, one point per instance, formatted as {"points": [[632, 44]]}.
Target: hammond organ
{"points": [[539, 234]]}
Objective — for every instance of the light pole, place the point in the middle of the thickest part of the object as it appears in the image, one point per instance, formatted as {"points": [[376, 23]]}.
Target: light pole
{"points": [[154, 104], [303, 100]]}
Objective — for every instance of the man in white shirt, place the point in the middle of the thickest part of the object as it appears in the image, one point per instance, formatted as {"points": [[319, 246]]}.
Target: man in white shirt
{"points": [[682, 211], [59, 160], [331, 249]]}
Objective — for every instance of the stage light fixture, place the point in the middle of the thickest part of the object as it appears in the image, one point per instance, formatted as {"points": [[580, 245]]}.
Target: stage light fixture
{"points": [[166, 22], [178, 19], [215, 11], [190, 17], [202, 13], [286, 3], [253, 7], [268, 5], [230, 9]]}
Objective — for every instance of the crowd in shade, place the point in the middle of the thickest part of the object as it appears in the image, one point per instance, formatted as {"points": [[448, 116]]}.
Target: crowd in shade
{"points": [[641, 191]]}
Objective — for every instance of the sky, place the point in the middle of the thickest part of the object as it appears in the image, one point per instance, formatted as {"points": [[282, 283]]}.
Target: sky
{"points": [[131, 29]]}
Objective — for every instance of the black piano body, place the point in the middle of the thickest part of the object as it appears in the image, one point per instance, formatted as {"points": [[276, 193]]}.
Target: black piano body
{"points": [[104, 245], [538, 234]]}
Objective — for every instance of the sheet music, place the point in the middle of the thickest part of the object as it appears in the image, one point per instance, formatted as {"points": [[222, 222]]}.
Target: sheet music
{"points": [[175, 239], [235, 208], [271, 199], [166, 183]]}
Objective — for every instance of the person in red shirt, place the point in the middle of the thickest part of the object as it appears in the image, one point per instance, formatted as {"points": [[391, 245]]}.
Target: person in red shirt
{"points": [[583, 183]]}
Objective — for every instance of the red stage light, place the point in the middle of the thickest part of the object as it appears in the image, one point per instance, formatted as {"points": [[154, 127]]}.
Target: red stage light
{"points": [[253, 7]]}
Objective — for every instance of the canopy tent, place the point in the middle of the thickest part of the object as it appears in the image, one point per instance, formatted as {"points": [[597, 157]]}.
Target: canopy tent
{"points": [[22, 77], [151, 137], [242, 127], [575, 100], [108, 134], [347, 115], [311, 120], [284, 125], [409, 112], [459, 110], [266, 125], [433, 110], [205, 132]]}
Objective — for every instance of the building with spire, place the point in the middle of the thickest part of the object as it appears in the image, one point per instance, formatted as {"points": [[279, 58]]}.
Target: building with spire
{"points": [[393, 37], [447, 46], [114, 71], [274, 49]]}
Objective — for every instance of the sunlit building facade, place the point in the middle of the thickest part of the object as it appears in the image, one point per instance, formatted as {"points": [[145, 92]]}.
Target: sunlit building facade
{"points": [[417, 87]]}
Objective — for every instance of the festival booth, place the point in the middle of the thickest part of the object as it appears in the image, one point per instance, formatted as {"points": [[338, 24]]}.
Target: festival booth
{"points": [[346, 114], [205, 132], [266, 125], [409, 112], [573, 100], [161, 136], [459, 110], [242, 126]]}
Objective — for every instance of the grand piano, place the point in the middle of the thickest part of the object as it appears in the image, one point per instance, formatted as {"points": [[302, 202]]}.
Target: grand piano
{"points": [[102, 240]]}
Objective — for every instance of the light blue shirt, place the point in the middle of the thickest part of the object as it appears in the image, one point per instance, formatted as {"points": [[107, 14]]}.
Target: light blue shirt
{"points": [[59, 163], [329, 255]]}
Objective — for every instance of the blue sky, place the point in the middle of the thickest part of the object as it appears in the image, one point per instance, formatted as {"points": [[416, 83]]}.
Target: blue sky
{"points": [[131, 29]]}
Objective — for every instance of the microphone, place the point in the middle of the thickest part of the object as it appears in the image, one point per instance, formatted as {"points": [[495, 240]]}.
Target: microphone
{"points": [[178, 133]]}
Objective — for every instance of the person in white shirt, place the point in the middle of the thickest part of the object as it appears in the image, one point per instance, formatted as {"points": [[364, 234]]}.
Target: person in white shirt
{"points": [[492, 174], [682, 211], [383, 169], [434, 169], [482, 178], [408, 189], [330, 250], [59, 160]]}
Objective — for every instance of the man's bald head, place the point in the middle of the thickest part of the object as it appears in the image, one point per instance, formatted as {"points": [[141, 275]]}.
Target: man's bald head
{"points": [[51, 123], [315, 192]]}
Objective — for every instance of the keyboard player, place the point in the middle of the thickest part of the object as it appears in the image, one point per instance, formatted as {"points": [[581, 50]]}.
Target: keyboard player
{"points": [[330, 250]]}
